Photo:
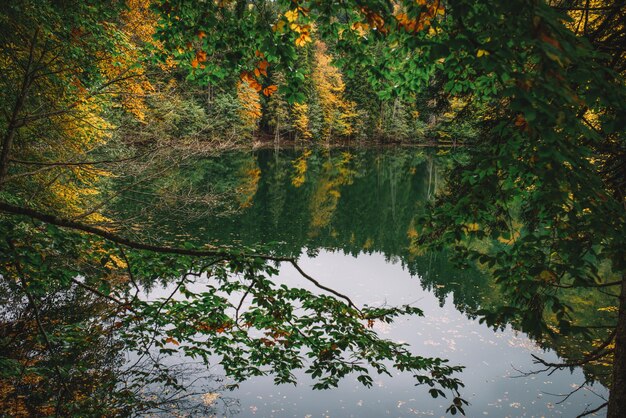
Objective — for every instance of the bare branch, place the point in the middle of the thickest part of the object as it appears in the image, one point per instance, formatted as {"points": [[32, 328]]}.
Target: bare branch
{"points": [[252, 282], [103, 295], [570, 286], [79, 163], [596, 354], [566, 396], [321, 286], [592, 411]]}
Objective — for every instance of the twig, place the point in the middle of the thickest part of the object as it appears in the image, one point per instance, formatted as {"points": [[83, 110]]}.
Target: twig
{"points": [[40, 327], [131, 277], [79, 163], [27, 173], [104, 295], [241, 301], [321, 286], [568, 395], [584, 414], [594, 355], [569, 286], [42, 331]]}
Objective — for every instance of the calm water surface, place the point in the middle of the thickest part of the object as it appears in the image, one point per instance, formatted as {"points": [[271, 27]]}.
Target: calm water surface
{"points": [[349, 216]]}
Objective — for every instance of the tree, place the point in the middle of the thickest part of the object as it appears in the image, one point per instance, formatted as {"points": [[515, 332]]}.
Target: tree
{"points": [[66, 65], [337, 112], [552, 162], [278, 111], [554, 155]]}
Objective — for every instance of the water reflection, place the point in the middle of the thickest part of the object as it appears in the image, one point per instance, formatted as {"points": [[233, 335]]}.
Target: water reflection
{"points": [[80, 367], [350, 217]]}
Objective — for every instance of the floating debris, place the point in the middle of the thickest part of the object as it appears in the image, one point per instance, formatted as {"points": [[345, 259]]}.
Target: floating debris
{"points": [[209, 398]]}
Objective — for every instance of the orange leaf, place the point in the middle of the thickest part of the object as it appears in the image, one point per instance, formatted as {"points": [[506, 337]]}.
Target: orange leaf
{"points": [[201, 56], [76, 33], [255, 85], [549, 40], [303, 39], [194, 63], [269, 90], [171, 340], [201, 34], [521, 122]]}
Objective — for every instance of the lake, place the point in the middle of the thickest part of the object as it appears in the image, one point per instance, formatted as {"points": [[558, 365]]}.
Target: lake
{"points": [[349, 216]]}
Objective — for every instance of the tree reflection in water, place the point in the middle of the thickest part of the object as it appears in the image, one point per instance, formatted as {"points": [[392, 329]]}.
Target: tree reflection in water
{"points": [[290, 202], [349, 200]]}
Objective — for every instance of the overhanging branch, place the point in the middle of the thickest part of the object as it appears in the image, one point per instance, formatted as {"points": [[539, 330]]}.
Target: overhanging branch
{"points": [[219, 253]]}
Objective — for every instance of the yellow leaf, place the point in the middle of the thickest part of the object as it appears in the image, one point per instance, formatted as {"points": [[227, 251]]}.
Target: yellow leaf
{"points": [[482, 52], [292, 15], [118, 261], [279, 26], [547, 276]]}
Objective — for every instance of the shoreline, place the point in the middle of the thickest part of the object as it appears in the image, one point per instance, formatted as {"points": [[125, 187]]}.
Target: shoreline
{"points": [[258, 143]]}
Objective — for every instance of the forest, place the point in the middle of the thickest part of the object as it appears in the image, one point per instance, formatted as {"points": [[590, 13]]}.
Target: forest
{"points": [[174, 174]]}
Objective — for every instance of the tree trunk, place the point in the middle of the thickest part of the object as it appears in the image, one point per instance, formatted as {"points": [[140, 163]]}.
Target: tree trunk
{"points": [[13, 123], [277, 135], [7, 141], [617, 397]]}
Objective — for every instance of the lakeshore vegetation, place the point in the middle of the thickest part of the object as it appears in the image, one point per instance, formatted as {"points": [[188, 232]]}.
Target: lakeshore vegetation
{"points": [[100, 98]]}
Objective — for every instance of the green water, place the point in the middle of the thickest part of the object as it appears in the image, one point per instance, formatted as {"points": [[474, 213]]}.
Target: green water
{"points": [[349, 215]]}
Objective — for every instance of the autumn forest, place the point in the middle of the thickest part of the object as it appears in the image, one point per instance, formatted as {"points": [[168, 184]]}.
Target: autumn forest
{"points": [[312, 208]]}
